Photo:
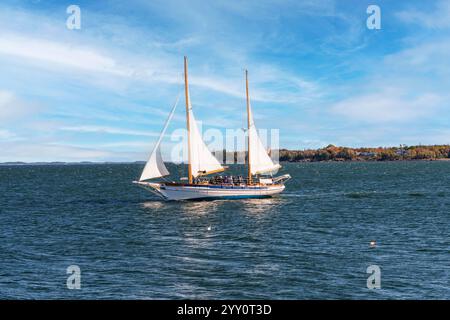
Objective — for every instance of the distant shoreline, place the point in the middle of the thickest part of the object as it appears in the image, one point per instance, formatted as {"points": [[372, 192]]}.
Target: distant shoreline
{"points": [[334, 153], [6, 164], [330, 153]]}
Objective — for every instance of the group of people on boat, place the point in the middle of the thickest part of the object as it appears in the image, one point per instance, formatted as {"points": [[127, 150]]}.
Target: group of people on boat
{"points": [[218, 180]]}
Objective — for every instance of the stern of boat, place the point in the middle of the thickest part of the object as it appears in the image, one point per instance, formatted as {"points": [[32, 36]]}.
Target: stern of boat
{"points": [[281, 180]]}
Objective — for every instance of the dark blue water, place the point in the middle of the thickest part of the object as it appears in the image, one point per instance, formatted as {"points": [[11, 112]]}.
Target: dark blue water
{"points": [[312, 242]]}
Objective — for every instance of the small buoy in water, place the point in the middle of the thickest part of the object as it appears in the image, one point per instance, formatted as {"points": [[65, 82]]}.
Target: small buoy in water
{"points": [[373, 244], [209, 228]]}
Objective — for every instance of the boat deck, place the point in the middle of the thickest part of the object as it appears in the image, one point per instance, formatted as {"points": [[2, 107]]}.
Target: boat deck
{"points": [[220, 186]]}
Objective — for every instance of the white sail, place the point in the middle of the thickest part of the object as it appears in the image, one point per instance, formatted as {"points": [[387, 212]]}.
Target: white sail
{"points": [[202, 160], [155, 168], [259, 160]]}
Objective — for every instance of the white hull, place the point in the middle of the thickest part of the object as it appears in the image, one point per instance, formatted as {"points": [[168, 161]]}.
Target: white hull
{"points": [[186, 192]]}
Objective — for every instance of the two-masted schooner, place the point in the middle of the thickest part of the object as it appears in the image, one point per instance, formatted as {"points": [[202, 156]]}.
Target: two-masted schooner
{"points": [[201, 162]]}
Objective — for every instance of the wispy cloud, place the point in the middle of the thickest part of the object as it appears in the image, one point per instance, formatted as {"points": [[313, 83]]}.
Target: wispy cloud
{"points": [[55, 52], [428, 58], [49, 152], [7, 135], [388, 106], [108, 130], [61, 55], [11, 107], [435, 16]]}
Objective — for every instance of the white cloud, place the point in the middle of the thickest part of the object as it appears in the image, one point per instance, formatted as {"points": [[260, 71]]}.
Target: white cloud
{"points": [[388, 106]]}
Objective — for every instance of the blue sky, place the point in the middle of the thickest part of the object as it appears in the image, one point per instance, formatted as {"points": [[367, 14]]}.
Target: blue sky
{"points": [[317, 73]]}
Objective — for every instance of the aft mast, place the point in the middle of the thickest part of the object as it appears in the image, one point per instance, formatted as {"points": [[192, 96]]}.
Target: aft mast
{"points": [[248, 130], [186, 92]]}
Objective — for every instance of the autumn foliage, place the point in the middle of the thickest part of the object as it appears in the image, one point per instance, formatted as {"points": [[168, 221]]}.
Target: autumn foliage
{"points": [[333, 153]]}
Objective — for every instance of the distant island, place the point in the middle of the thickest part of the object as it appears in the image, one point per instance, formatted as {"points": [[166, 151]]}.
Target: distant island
{"points": [[333, 153]]}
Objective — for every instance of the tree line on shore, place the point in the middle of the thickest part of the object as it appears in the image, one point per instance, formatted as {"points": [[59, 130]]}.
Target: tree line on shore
{"points": [[333, 153]]}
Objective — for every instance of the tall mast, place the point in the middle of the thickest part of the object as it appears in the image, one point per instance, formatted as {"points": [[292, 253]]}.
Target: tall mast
{"points": [[248, 129], [186, 92]]}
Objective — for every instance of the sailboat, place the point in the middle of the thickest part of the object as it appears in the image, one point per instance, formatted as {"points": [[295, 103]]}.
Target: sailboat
{"points": [[201, 163]]}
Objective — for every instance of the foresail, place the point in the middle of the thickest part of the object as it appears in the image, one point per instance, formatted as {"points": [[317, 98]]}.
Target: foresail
{"points": [[155, 167], [259, 160], [202, 160]]}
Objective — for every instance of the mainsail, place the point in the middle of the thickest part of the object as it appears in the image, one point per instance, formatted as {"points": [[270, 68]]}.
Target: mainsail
{"points": [[258, 159], [155, 167], [201, 159]]}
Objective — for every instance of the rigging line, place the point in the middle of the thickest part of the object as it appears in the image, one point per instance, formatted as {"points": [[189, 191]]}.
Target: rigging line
{"points": [[164, 178], [163, 131], [171, 115]]}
